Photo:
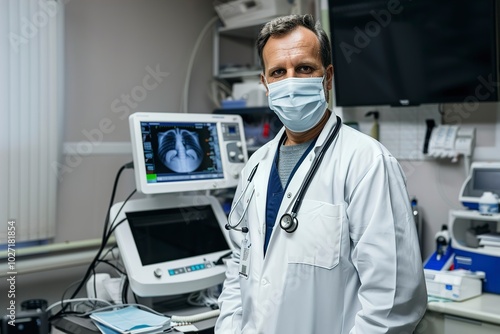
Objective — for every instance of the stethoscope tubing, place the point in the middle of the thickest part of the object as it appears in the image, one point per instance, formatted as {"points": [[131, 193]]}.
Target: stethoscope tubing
{"points": [[314, 168], [249, 181], [300, 195]]}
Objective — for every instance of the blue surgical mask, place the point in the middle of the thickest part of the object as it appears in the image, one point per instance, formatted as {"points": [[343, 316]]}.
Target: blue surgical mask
{"points": [[300, 103]]}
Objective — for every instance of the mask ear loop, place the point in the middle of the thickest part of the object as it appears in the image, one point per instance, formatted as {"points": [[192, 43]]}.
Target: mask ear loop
{"points": [[267, 83]]}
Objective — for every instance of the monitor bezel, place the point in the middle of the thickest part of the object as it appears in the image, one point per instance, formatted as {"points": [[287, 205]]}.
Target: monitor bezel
{"points": [[144, 280], [230, 169]]}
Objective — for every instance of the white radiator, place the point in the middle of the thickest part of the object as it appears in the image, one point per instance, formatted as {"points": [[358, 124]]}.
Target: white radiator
{"points": [[31, 104]]}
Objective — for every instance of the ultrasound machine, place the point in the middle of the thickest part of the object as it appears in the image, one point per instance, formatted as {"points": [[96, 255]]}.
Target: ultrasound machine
{"points": [[172, 240]]}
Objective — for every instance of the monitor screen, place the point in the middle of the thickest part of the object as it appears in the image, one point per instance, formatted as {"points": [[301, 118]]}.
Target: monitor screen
{"points": [[409, 52], [485, 179], [181, 151], [175, 233], [171, 244], [176, 152]]}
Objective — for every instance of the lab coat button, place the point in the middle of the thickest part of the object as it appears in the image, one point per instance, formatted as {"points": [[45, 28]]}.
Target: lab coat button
{"points": [[263, 281], [288, 195]]}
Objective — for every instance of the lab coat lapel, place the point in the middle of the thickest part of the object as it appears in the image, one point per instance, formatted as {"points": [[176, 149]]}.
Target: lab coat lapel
{"points": [[262, 179]]}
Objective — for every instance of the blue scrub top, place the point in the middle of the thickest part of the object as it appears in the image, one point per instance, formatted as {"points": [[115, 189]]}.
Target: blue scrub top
{"points": [[275, 191]]}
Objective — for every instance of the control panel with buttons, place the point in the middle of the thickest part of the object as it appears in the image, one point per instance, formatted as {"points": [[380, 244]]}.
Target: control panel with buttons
{"points": [[233, 140], [188, 269]]}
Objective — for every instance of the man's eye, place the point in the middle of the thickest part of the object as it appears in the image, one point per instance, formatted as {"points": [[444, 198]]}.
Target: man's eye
{"points": [[277, 73], [304, 69]]}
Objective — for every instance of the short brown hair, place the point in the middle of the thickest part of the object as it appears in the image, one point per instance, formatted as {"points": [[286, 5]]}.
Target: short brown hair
{"points": [[283, 25]]}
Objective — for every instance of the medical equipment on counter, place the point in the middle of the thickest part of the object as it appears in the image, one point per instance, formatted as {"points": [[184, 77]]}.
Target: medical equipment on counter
{"points": [[483, 177], [466, 227], [171, 244], [442, 241], [488, 203], [456, 285], [288, 221], [176, 152], [442, 258], [461, 224], [173, 241]]}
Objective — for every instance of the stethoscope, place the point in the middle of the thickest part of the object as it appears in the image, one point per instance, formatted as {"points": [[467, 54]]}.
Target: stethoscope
{"points": [[288, 221], [228, 226]]}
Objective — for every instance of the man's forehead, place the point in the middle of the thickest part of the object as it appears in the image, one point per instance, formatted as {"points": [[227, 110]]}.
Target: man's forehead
{"points": [[300, 41]]}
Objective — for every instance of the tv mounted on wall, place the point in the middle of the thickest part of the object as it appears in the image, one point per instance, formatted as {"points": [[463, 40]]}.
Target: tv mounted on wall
{"points": [[412, 52]]}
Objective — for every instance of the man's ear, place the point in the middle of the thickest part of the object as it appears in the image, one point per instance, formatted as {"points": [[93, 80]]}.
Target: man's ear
{"points": [[329, 77]]}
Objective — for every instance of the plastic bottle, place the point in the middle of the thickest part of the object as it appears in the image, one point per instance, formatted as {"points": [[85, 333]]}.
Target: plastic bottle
{"points": [[418, 221], [488, 203]]}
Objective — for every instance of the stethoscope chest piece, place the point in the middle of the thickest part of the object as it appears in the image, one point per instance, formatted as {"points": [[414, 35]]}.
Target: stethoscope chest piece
{"points": [[289, 223]]}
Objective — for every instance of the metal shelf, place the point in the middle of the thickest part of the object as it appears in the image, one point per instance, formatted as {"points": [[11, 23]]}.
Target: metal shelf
{"points": [[239, 74], [245, 111]]}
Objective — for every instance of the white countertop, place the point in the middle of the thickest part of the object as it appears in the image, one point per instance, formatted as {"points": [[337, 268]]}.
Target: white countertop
{"points": [[483, 308]]}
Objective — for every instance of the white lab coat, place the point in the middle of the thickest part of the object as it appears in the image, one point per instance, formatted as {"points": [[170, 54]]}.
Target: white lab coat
{"points": [[353, 264]]}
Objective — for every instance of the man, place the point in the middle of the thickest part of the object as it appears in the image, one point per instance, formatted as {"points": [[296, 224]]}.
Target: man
{"points": [[350, 262]]}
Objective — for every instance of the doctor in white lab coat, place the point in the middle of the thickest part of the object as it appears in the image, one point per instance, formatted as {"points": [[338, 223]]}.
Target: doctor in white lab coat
{"points": [[352, 264]]}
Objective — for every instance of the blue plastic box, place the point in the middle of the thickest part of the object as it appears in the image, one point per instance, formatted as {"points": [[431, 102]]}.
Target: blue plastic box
{"points": [[480, 262]]}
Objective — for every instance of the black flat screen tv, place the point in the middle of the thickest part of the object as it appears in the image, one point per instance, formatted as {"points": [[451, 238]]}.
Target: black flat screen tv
{"points": [[412, 52]]}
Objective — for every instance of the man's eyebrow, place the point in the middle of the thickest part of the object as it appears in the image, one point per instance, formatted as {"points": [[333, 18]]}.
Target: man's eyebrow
{"points": [[306, 62]]}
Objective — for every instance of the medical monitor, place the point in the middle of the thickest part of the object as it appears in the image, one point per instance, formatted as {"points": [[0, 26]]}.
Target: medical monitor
{"points": [[170, 244], [402, 53], [176, 152], [483, 177]]}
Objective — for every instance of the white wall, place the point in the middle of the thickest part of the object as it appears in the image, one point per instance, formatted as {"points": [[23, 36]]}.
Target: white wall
{"points": [[111, 47]]}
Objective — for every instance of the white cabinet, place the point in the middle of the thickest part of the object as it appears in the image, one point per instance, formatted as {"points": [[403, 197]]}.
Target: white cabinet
{"points": [[478, 315], [432, 323], [459, 325], [235, 53], [441, 323]]}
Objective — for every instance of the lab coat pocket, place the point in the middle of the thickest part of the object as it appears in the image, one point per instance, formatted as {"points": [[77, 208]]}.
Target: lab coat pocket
{"points": [[317, 239]]}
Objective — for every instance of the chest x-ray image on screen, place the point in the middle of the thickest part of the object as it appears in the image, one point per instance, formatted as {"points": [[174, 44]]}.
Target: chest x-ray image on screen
{"points": [[183, 148], [180, 150]]}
